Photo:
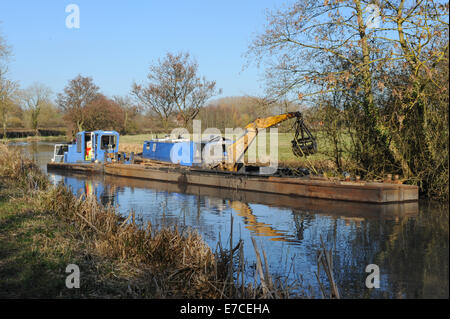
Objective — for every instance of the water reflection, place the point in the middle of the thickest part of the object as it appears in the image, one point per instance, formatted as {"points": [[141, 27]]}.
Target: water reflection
{"points": [[258, 228], [82, 186], [408, 241]]}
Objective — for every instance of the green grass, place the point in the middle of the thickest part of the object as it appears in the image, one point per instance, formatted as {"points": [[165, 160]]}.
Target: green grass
{"points": [[285, 149], [29, 266], [35, 248]]}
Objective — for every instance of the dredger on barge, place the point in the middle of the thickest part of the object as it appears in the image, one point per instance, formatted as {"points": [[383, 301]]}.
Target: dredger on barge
{"points": [[187, 162]]}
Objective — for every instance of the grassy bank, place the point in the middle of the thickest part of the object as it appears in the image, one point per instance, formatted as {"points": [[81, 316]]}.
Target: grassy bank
{"points": [[35, 250], [43, 228]]}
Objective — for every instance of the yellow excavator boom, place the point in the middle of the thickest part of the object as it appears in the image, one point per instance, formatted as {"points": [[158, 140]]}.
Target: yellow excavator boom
{"points": [[236, 151], [263, 123]]}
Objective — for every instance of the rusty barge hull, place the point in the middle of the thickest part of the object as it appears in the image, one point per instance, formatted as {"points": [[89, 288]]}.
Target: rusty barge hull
{"points": [[76, 167], [365, 192]]}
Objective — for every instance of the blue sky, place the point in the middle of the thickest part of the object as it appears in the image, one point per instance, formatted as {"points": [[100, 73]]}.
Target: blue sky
{"points": [[118, 40]]}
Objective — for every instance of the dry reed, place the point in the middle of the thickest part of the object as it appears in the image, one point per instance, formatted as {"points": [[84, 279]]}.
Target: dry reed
{"points": [[325, 259]]}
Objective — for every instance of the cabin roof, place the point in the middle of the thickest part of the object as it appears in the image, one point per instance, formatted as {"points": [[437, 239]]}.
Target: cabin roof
{"points": [[100, 132]]}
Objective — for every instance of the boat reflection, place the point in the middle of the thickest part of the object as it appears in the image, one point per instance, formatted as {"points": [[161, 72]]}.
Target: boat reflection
{"points": [[256, 227], [91, 185], [106, 189]]}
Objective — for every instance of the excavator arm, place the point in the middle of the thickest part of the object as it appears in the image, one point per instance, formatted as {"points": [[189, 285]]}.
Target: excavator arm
{"points": [[236, 151]]}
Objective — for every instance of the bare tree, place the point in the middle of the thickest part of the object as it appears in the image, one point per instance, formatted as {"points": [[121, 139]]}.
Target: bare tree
{"points": [[34, 98], [80, 92], [130, 110], [8, 88], [5, 50], [174, 85]]}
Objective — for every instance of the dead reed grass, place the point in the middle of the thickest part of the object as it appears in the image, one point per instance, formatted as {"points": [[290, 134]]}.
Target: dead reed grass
{"points": [[21, 170], [325, 262]]}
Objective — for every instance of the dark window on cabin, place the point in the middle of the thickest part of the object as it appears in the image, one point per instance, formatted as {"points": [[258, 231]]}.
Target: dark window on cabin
{"points": [[62, 149], [108, 141]]}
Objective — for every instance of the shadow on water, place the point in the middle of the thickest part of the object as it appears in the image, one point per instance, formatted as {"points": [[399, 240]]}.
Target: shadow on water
{"points": [[409, 242]]}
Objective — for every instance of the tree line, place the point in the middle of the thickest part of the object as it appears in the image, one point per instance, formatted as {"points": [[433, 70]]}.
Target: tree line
{"points": [[173, 95]]}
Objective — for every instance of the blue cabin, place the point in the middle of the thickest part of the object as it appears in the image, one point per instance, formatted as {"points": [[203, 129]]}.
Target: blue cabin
{"points": [[209, 151], [177, 151], [92, 147]]}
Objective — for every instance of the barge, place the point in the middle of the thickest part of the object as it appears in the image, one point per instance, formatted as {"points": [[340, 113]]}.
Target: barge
{"points": [[218, 163], [361, 191]]}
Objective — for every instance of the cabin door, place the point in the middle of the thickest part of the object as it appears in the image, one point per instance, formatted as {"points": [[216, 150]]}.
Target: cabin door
{"points": [[89, 141]]}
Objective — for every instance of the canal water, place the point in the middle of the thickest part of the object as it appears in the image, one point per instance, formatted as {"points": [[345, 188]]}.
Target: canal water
{"points": [[409, 243]]}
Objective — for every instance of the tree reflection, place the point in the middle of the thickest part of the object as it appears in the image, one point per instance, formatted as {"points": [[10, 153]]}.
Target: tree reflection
{"points": [[412, 253]]}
